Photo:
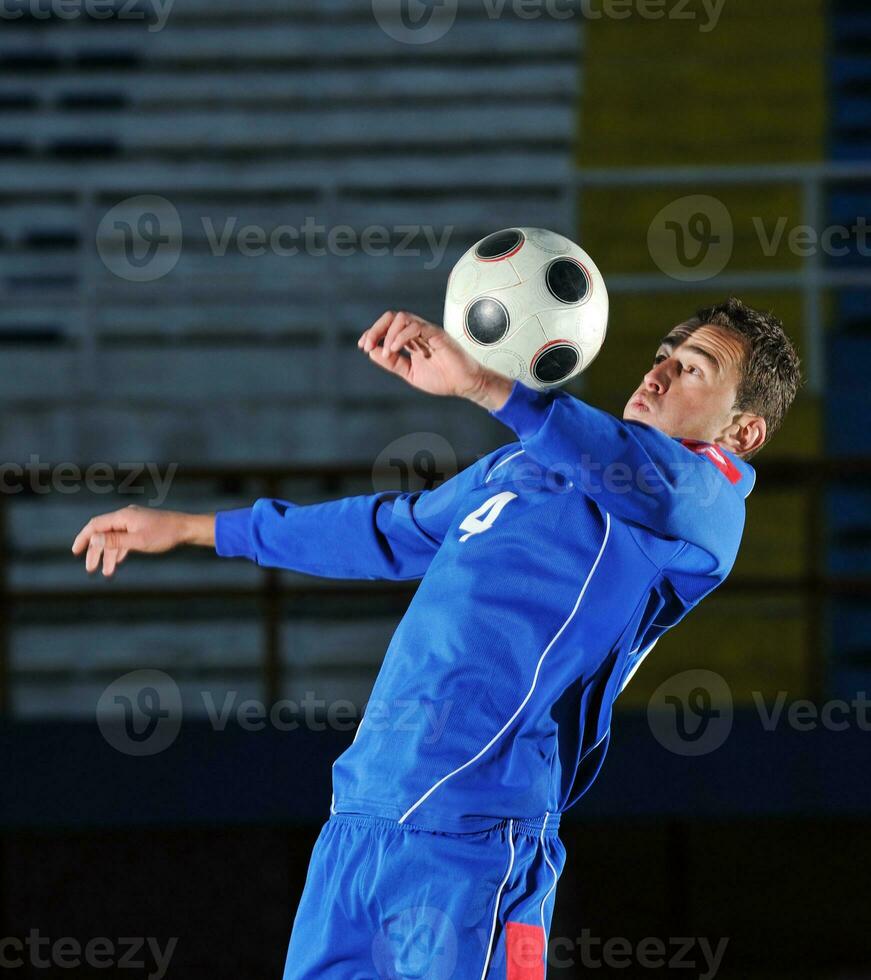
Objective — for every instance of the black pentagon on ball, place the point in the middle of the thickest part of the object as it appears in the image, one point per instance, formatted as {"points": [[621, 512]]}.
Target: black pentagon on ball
{"points": [[499, 245], [566, 281], [555, 364], [487, 320]]}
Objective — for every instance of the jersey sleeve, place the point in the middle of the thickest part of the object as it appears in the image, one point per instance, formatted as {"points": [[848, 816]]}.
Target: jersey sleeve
{"points": [[633, 471], [386, 535]]}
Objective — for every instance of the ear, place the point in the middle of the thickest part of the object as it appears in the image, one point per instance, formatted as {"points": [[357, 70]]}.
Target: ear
{"points": [[745, 435]]}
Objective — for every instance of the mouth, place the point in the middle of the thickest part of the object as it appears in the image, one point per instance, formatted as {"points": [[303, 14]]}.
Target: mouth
{"points": [[639, 404]]}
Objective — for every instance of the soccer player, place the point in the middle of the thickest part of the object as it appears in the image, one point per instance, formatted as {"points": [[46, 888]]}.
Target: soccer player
{"points": [[549, 569]]}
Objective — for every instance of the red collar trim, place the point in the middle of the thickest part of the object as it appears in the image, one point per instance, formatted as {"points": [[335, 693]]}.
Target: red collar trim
{"points": [[716, 456]]}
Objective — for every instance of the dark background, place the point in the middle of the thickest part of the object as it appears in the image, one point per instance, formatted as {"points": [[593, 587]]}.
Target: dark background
{"points": [[241, 371]]}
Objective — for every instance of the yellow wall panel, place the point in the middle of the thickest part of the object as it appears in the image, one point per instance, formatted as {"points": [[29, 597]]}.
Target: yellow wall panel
{"points": [[667, 92], [756, 644]]}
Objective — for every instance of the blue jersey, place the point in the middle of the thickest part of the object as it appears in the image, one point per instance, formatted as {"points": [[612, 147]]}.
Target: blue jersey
{"points": [[549, 569]]}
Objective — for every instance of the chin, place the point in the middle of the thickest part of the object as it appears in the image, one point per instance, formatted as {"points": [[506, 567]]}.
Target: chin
{"points": [[637, 415], [646, 418]]}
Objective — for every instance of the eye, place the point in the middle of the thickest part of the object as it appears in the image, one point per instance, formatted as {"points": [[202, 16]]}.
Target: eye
{"points": [[659, 358], [692, 369]]}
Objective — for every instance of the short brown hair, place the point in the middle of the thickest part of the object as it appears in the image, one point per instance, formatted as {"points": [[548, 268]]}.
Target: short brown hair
{"points": [[771, 372]]}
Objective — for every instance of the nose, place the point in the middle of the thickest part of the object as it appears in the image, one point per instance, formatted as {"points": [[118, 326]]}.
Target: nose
{"points": [[657, 378]]}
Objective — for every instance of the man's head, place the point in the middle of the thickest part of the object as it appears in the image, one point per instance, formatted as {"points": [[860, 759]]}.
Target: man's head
{"points": [[727, 376]]}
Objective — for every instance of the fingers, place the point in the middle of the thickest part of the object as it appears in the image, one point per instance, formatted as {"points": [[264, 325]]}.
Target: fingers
{"points": [[402, 323], [94, 553], [117, 520], [106, 538], [396, 332], [83, 538], [112, 557], [396, 339], [388, 328], [394, 363], [373, 335], [107, 546]]}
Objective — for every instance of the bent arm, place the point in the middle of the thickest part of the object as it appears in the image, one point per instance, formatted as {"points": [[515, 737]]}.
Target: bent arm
{"points": [[632, 470]]}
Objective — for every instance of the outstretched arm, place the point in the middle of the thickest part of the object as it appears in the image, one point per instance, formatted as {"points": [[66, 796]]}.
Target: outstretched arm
{"points": [[111, 537], [387, 535]]}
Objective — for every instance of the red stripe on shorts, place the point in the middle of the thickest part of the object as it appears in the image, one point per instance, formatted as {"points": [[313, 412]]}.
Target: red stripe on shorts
{"points": [[524, 946]]}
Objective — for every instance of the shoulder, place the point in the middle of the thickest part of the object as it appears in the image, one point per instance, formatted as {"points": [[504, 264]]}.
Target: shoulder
{"points": [[739, 473]]}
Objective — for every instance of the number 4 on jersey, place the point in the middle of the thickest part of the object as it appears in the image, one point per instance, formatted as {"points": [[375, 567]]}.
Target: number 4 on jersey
{"points": [[482, 518]]}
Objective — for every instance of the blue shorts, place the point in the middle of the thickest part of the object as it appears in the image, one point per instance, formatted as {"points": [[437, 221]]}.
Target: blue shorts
{"points": [[384, 901]]}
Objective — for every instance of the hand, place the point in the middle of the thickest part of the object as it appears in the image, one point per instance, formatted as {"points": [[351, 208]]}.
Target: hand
{"points": [[113, 536], [436, 363]]}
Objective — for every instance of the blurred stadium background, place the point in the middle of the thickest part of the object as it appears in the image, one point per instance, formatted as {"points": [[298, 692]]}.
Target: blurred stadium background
{"points": [[242, 372]]}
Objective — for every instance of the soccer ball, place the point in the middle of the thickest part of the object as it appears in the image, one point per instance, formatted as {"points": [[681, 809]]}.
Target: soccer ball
{"points": [[529, 304]]}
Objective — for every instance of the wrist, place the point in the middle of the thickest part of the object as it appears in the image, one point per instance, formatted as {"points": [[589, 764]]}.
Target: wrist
{"points": [[198, 530], [491, 390]]}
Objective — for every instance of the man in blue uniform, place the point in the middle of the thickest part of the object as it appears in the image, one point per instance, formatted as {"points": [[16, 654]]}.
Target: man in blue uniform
{"points": [[549, 568]]}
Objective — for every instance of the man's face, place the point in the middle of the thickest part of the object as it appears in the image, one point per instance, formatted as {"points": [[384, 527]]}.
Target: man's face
{"points": [[690, 389]]}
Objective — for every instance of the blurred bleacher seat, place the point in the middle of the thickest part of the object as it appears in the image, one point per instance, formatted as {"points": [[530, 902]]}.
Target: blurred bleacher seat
{"points": [[268, 114]]}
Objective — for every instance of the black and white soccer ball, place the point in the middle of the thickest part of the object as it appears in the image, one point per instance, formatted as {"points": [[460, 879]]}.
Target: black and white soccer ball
{"points": [[530, 304]]}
